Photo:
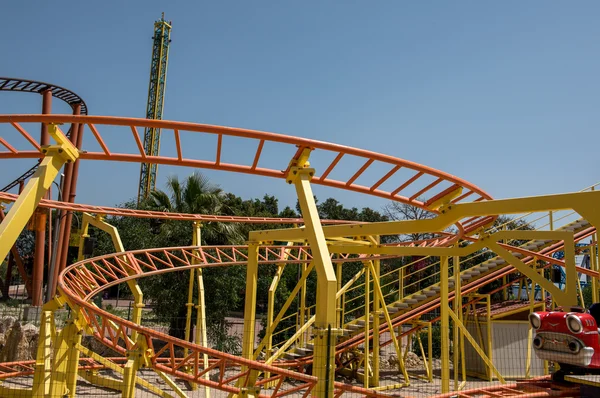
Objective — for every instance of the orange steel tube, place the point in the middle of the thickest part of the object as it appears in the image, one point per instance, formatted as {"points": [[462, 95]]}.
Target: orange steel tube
{"points": [[236, 132], [117, 211], [64, 232], [37, 279], [77, 140]]}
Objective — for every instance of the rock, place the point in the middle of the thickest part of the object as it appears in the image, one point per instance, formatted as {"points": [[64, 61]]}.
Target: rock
{"points": [[31, 335], [412, 361], [17, 345], [6, 323]]}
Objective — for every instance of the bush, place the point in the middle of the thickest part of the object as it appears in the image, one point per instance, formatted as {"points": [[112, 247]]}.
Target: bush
{"points": [[436, 337]]}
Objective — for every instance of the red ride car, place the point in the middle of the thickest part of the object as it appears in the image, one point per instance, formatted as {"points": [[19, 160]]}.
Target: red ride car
{"points": [[569, 338]]}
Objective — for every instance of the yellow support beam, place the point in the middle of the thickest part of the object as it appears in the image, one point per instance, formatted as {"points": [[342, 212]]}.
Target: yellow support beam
{"points": [[581, 202], [250, 309], [325, 316], [138, 296], [118, 369], [43, 368], [444, 325], [66, 360], [22, 210], [388, 320]]}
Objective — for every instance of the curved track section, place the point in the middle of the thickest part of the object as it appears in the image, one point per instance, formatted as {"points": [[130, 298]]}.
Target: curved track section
{"points": [[32, 86], [391, 179], [81, 281], [116, 211]]}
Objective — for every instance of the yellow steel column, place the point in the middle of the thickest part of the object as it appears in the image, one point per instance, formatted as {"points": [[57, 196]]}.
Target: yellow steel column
{"points": [[444, 324], [66, 360], [488, 328], [377, 303], [457, 309], [340, 321], [138, 296], [250, 301], [43, 369], [129, 375], [325, 313], [196, 234], [401, 283], [201, 337], [189, 305], [22, 210], [303, 317], [85, 225], [388, 320], [270, 310], [366, 362], [594, 266], [530, 331]]}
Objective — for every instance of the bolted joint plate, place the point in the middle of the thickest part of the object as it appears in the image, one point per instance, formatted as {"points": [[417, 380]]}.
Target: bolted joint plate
{"points": [[64, 147], [296, 172]]}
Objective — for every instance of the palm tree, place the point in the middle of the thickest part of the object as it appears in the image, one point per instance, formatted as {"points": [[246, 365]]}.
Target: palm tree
{"points": [[197, 195]]}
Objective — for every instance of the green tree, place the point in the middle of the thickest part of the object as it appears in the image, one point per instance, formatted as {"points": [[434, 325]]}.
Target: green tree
{"points": [[168, 292]]}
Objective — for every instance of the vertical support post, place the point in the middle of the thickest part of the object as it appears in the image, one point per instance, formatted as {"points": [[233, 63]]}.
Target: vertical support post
{"points": [[250, 301], [303, 315], [270, 311], [366, 362], [188, 315], [456, 335], [570, 270], [68, 195], [190, 300], [129, 374], [530, 331], [37, 279], [200, 337], [40, 218], [377, 303], [43, 369], [66, 361], [430, 350], [594, 266], [488, 320], [46, 109], [340, 321], [444, 324], [325, 313]]}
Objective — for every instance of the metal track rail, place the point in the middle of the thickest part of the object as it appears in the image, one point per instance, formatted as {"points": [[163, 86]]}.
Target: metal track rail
{"points": [[32, 86]]}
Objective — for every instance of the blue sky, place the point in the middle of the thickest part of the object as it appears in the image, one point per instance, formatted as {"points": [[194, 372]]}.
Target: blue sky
{"points": [[502, 94]]}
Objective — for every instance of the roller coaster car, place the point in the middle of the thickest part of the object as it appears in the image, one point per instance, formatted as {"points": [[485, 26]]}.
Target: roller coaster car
{"points": [[569, 338]]}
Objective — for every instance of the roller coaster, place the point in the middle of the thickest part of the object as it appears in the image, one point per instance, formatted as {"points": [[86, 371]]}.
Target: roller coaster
{"points": [[335, 344]]}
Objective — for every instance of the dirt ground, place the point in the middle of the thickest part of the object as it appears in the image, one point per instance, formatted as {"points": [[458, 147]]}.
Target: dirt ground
{"points": [[417, 388]]}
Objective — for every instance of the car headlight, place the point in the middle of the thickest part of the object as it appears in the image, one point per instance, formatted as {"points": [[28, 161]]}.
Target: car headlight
{"points": [[574, 347], [535, 320], [574, 324]]}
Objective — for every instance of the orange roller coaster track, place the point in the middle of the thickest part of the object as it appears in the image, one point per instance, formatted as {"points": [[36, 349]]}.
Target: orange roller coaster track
{"points": [[373, 174]]}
